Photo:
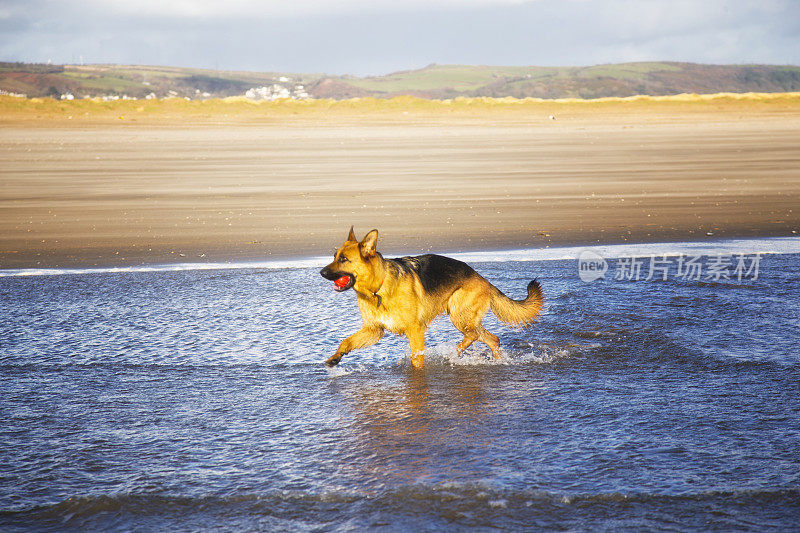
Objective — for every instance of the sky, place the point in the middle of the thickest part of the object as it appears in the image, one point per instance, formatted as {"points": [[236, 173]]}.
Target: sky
{"points": [[380, 36]]}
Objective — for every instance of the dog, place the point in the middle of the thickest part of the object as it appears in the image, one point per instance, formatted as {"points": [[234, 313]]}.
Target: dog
{"points": [[404, 295]]}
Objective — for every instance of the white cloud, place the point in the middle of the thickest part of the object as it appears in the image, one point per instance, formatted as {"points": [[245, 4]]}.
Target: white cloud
{"points": [[380, 36], [265, 8]]}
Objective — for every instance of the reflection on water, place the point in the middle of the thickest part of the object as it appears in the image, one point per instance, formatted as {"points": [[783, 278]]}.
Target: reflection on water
{"points": [[414, 430]]}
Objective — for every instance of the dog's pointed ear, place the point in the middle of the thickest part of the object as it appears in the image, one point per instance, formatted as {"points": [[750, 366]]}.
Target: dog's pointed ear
{"points": [[368, 243], [351, 237]]}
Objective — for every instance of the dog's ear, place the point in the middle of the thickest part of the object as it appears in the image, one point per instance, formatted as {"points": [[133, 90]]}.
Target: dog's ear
{"points": [[368, 243], [351, 237]]}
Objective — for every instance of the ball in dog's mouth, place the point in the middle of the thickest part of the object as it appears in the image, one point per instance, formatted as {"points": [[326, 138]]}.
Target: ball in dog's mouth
{"points": [[343, 283]]}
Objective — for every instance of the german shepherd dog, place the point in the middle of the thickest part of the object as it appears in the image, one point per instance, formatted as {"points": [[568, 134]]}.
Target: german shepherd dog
{"points": [[404, 295]]}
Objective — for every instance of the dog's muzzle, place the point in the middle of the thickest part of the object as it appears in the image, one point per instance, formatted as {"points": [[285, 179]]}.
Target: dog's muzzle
{"points": [[341, 281]]}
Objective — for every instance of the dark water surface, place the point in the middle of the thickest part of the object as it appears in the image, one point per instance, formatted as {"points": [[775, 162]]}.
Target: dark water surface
{"points": [[191, 400]]}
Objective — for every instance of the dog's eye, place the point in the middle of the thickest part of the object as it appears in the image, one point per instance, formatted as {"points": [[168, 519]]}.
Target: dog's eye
{"points": [[343, 259]]}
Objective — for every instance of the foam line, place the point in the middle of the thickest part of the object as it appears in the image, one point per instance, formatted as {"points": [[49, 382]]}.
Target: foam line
{"points": [[170, 267], [772, 245]]}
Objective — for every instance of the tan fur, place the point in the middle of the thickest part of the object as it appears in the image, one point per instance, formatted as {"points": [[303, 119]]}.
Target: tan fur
{"points": [[393, 299]]}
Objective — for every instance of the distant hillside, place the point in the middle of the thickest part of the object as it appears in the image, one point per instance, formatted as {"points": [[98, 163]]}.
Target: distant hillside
{"points": [[137, 81], [433, 81], [626, 79]]}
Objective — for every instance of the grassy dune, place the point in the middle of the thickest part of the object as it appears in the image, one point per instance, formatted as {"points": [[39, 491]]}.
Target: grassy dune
{"points": [[236, 109]]}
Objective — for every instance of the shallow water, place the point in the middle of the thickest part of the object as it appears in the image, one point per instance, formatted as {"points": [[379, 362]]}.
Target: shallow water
{"points": [[197, 399]]}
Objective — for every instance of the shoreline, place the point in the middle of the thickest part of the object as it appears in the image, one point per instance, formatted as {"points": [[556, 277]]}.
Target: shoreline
{"points": [[398, 247], [733, 246]]}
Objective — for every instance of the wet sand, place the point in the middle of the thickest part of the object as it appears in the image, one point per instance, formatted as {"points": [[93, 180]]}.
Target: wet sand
{"points": [[83, 194]]}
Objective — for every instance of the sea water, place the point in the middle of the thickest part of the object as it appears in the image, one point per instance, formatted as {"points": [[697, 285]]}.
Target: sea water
{"points": [[194, 397]]}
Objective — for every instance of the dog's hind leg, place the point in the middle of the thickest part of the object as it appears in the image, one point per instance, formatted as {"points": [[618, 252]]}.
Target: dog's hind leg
{"points": [[366, 336], [466, 308], [479, 333], [491, 340], [470, 336]]}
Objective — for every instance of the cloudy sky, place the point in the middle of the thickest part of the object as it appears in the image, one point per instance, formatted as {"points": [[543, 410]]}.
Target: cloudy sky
{"points": [[381, 36]]}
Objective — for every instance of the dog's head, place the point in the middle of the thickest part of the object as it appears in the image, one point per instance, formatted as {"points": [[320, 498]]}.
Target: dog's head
{"points": [[353, 263]]}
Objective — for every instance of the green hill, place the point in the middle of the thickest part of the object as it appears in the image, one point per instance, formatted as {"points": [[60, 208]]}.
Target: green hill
{"points": [[433, 81], [626, 79]]}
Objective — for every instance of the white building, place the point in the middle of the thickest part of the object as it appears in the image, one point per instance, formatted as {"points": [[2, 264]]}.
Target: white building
{"points": [[276, 92]]}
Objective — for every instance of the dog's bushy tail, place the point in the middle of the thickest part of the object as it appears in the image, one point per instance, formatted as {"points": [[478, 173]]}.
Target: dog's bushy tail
{"points": [[518, 312]]}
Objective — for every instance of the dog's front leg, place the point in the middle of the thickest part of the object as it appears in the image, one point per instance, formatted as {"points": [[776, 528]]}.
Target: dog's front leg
{"points": [[416, 341], [366, 336]]}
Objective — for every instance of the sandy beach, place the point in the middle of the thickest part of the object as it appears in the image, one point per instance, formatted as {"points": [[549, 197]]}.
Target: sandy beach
{"points": [[179, 188]]}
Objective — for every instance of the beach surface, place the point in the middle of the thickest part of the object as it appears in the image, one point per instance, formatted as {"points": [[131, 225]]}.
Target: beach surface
{"points": [[134, 185]]}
